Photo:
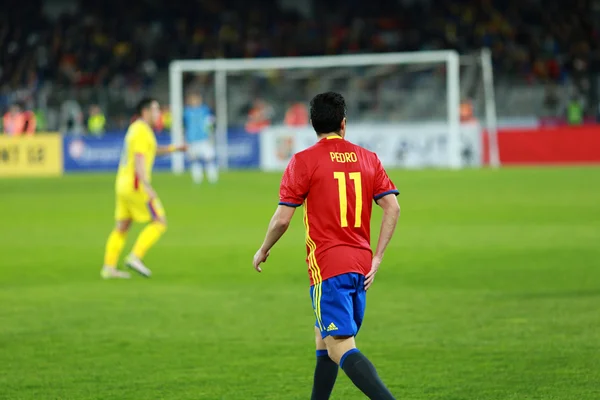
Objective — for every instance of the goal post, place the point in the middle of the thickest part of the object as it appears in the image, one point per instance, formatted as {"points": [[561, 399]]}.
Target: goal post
{"points": [[490, 106], [223, 70]]}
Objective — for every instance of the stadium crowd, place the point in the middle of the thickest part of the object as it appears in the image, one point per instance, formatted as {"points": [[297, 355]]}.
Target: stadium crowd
{"points": [[121, 46]]}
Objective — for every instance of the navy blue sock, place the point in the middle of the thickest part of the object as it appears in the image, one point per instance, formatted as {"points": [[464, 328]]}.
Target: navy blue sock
{"points": [[326, 372], [364, 376]]}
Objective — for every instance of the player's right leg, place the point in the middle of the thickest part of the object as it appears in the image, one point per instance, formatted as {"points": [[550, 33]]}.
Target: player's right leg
{"points": [[114, 247], [339, 308], [326, 371], [154, 212], [195, 164], [210, 159]]}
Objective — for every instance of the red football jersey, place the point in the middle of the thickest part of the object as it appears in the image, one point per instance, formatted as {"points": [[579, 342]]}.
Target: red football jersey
{"points": [[336, 181]]}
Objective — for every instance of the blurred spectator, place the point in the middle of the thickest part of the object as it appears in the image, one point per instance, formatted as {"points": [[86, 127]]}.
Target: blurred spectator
{"points": [[96, 121], [167, 117], [259, 116], [552, 102], [18, 121], [40, 120], [575, 111], [296, 115], [466, 111], [71, 118], [165, 120]]}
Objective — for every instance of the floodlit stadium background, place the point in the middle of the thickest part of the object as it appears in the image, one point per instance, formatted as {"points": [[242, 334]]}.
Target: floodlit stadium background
{"points": [[489, 290]]}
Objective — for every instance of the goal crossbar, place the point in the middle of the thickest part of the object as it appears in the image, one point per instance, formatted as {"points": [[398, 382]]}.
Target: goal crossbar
{"points": [[354, 60]]}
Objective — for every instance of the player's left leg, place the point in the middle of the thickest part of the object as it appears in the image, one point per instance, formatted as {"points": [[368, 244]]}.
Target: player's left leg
{"points": [[212, 171], [342, 349], [346, 304], [148, 237]]}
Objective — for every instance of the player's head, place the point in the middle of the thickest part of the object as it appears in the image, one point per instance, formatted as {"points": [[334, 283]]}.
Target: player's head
{"points": [[328, 113], [194, 99], [15, 108], [95, 109], [148, 109]]}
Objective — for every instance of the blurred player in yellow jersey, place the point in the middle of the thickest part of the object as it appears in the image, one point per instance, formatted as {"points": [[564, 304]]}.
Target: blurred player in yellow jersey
{"points": [[136, 200]]}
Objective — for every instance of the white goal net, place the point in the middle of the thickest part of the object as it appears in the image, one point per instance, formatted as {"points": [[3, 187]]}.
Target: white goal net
{"points": [[416, 110]]}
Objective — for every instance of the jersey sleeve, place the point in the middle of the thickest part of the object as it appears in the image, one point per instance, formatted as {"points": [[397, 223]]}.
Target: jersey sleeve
{"points": [[294, 184], [383, 184], [140, 143]]}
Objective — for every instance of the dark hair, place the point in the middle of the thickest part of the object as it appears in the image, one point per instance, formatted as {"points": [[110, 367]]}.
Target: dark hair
{"points": [[144, 103], [327, 111]]}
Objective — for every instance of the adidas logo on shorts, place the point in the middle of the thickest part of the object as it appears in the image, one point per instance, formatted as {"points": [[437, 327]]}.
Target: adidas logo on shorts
{"points": [[331, 327]]}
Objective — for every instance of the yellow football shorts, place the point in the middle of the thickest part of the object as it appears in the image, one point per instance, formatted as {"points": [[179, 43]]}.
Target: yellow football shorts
{"points": [[138, 207]]}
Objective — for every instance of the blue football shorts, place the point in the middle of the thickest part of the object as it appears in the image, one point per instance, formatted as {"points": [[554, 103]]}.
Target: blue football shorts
{"points": [[339, 304]]}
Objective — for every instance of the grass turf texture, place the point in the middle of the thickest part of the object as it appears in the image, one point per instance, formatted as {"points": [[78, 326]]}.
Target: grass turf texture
{"points": [[490, 290]]}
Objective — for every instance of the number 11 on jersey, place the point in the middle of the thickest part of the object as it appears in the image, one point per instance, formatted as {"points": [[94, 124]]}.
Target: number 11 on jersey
{"points": [[356, 178]]}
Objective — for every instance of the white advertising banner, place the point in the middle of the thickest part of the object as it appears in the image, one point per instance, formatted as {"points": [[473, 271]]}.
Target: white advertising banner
{"points": [[418, 145]]}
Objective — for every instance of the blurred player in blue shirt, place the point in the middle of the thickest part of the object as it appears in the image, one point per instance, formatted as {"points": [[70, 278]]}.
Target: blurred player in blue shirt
{"points": [[198, 121]]}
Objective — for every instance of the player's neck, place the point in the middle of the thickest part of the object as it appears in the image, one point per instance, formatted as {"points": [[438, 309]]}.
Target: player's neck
{"points": [[331, 135], [146, 122]]}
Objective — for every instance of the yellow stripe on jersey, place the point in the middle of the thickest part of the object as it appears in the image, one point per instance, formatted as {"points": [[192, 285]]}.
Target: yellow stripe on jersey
{"points": [[311, 266], [314, 269], [317, 284]]}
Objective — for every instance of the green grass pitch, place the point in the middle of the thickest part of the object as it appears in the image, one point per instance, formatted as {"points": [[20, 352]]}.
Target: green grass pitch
{"points": [[490, 290]]}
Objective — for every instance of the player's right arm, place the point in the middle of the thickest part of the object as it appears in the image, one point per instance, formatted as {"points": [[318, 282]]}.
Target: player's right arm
{"points": [[385, 196], [292, 192]]}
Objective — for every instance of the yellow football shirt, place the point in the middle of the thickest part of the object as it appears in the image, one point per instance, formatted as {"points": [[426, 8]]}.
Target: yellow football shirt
{"points": [[139, 139]]}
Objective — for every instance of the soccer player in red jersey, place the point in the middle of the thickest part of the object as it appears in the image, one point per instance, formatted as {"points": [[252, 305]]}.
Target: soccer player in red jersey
{"points": [[335, 181]]}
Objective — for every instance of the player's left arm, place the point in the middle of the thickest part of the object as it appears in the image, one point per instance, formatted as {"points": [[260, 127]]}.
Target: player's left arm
{"points": [[384, 194], [210, 126], [210, 122], [293, 191]]}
